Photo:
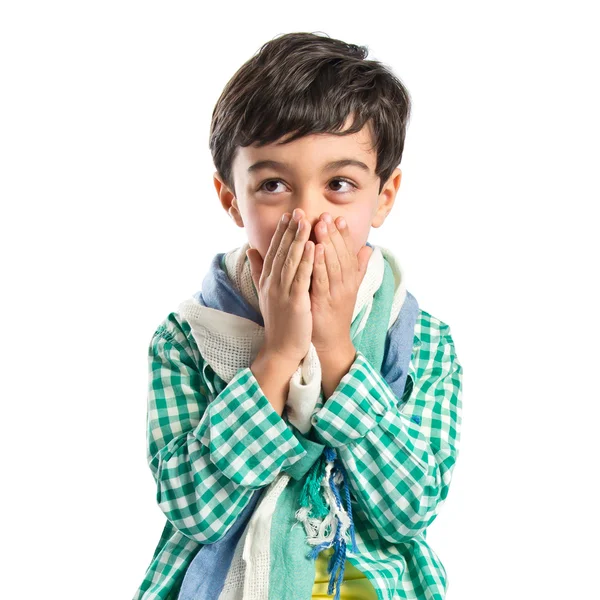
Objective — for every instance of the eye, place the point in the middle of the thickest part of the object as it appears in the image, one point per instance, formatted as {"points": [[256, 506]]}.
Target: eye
{"points": [[260, 189], [342, 179]]}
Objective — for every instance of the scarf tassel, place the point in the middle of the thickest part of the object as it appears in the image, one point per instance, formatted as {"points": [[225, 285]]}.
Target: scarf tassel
{"points": [[321, 506]]}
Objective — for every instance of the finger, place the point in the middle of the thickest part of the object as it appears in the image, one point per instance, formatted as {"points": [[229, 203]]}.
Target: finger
{"points": [[320, 281], [340, 238], [294, 255], [332, 264], [280, 258], [280, 230], [301, 281]]}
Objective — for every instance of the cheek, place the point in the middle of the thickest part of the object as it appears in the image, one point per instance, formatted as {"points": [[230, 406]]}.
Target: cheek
{"points": [[260, 233], [359, 226]]}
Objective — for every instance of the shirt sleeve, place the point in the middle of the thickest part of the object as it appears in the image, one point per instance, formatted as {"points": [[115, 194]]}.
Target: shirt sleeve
{"points": [[399, 462], [208, 458], [313, 448]]}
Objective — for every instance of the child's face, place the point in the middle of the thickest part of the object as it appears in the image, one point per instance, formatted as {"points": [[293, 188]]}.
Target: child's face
{"points": [[264, 193]]}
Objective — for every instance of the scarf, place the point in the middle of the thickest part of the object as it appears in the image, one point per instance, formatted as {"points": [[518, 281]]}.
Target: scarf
{"points": [[382, 328]]}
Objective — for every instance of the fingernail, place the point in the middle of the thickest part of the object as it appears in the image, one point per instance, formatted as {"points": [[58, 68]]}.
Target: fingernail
{"points": [[327, 218], [285, 218], [342, 223]]}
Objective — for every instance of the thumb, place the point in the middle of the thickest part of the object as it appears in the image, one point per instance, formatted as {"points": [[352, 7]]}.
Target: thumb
{"points": [[364, 256], [256, 264]]}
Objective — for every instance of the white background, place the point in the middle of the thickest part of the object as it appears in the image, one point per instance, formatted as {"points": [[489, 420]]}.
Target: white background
{"points": [[110, 219]]}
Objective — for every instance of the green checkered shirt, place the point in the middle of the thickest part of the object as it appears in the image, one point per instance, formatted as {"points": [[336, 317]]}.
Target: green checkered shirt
{"points": [[211, 444]]}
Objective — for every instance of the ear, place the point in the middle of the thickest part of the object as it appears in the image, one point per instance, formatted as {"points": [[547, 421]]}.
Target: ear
{"points": [[227, 199], [386, 198]]}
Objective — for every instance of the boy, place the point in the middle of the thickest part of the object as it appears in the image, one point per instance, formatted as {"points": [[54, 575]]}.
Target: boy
{"points": [[302, 407]]}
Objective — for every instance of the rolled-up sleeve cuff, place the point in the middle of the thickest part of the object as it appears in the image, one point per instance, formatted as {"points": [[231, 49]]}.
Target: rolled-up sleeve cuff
{"points": [[356, 406], [248, 440]]}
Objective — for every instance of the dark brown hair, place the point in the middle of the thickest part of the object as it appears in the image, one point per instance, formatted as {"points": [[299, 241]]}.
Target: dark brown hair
{"points": [[308, 83]]}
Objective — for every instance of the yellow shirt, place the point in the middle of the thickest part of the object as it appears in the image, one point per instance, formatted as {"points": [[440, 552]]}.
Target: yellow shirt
{"points": [[355, 585]]}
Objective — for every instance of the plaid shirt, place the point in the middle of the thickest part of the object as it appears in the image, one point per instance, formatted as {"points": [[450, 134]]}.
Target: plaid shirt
{"points": [[211, 444]]}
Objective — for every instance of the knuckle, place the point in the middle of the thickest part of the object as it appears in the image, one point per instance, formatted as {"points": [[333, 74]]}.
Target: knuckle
{"points": [[300, 276], [288, 262]]}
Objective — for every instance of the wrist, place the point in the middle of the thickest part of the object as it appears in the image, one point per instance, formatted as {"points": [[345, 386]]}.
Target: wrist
{"points": [[273, 378], [341, 354], [274, 361], [334, 366]]}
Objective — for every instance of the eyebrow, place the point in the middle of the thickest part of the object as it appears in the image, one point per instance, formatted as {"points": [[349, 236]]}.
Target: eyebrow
{"points": [[336, 164]]}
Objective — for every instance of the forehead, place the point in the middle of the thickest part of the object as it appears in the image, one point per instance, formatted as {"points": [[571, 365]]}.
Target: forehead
{"points": [[311, 152]]}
